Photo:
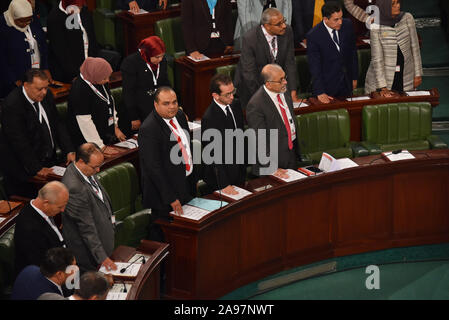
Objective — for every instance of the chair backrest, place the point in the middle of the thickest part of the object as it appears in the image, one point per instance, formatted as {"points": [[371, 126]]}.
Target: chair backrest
{"points": [[170, 31], [396, 122], [228, 70], [122, 185], [324, 130], [304, 78], [364, 59]]}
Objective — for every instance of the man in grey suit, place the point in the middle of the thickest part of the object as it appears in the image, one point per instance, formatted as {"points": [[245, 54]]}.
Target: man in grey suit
{"points": [[270, 108], [270, 42], [88, 222]]}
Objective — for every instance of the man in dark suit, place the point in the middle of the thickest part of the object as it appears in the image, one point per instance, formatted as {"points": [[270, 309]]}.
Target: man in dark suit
{"points": [[271, 108], [168, 179], [58, 264], [332, 55], [33, 133], [224, 116], [36, 231], [271, 42], [207, 30], [88, 221]]}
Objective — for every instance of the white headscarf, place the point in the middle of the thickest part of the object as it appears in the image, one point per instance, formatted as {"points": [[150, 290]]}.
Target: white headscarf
{"points": [[18, 9]]}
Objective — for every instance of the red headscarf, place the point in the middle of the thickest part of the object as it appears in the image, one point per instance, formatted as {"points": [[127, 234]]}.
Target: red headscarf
{"points": [[151, 47], [79, 3]]}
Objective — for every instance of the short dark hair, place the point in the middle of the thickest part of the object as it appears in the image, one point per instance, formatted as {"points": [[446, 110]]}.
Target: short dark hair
{"points": [[162, 89], [92, 283], [330, 8], [56, 259], [218, 80], [85, 150], [30, 74]]}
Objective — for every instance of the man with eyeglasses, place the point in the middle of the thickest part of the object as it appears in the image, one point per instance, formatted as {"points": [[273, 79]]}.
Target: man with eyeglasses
{"points": [[88, 220], [270, 42], [271, 107], [225, 116]]}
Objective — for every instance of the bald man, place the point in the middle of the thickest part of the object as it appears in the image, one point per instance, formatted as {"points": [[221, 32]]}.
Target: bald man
{"points": [[36, 231]]}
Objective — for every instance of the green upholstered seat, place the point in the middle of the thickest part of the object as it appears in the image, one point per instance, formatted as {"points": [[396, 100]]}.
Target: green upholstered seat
{"points": [[227, 70], [304, 79], [108, 29], [6, 263], [364, 59], [394, 126], [122, 185], [117, 94], [326, 131]]}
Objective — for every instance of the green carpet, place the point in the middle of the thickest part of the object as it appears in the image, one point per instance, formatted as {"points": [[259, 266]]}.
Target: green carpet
{"points": [[420, 8], [435, 47]]}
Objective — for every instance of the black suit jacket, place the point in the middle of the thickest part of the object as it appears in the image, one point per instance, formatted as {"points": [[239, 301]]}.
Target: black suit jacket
{"points": [[162, 181], [255, 55], [197, 24], [24, 135], [66, 48], [137, 82], [33, 236], [228, 174], [261, 113]]}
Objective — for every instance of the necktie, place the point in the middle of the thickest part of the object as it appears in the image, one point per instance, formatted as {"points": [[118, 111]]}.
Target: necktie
{"points": [[94, 184], [334, 33], [286, 123], [317, 15], [47, 139], [273, 49], [181, 145], [229, 118]]}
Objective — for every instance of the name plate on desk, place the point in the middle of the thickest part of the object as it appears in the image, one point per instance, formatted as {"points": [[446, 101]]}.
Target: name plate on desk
{"points": [[417, 93]]}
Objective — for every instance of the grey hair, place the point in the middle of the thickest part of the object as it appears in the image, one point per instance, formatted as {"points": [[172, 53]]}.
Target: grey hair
{"points": [[51, 191], [268, 14], [267, 71]]}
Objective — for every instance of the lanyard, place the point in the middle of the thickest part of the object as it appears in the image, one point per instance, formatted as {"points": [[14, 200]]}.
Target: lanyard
{"points": [[98, 93], [155, 78]]}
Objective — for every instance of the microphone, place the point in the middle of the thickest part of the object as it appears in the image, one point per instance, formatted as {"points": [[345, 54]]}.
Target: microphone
{"points": [[218, 184], [396, 151], [122, 270], [124, 286], [6, 199]]}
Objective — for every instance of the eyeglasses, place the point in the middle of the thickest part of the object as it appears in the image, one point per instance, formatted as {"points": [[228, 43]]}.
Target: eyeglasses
{"points": [[280, 23], [280, 80], [228, 95]]}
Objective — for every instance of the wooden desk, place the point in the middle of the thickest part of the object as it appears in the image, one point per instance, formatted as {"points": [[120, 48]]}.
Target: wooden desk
{"points": [[146, 286], [9, 219], [355, 108], [375, 206], [140, 26]]}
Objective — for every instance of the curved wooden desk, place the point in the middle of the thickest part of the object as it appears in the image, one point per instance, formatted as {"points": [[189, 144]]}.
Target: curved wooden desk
{"points": [[375, 206]]}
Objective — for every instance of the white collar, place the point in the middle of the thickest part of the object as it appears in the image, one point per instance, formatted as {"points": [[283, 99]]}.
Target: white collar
{"points": [[82, 174], [272, 94], [267, 35], [27, 97], [222, 106], [330, 30]]}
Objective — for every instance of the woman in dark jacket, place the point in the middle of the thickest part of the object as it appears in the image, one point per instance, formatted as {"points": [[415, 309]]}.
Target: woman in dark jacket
{"points": [[142, 73], [71, 42], [91, 107]]}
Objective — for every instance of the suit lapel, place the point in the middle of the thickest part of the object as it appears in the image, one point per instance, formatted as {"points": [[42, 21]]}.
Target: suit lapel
{"points": [[276, 115], [261, 39], [329, 40]]}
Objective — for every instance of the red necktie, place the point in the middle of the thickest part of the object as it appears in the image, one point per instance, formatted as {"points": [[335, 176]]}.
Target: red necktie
{"points": [[181, 145], [287, 124]]}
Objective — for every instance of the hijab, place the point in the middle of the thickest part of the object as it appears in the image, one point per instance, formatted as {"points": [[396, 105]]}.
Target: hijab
{"points": [[95, 70], [66, 3], [386, 19], [18, 9], [151, 47]]}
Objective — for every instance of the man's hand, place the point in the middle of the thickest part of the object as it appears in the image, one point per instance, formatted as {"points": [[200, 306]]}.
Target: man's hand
{"points": [[385, 93], [295, 96], [109, 264], [281, 173], [43, 173], [417, 82], [134, 7], [229, 190], [135, 125], [70, 158], [196, 55], [119, 134], [324, 98], [354, 84], [177, 207], [163, 4], [228, 49]]}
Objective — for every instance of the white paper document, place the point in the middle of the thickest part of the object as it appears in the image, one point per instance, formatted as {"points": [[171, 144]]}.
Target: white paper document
{"points": [[129, 144], [141, 11], [403, 155], [2, 219], [194, 126], [417, 93], [358, 98], [303, 45], [299, 105], [293, 175], [204, 58], [117, 292], [59, 171], [330, 164], [242, 193], [367, 41], [191, 212], [131, 269]]}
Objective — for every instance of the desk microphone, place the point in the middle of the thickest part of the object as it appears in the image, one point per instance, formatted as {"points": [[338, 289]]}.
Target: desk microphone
{"points": [[6, 199], [396, 151], [122, 270], [124, 286], [219, 186]]}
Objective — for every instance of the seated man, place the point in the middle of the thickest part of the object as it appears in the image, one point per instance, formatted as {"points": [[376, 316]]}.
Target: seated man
{"points": [[269, 42], [88, 221], [36, 231], [332, 55], [51, 276], [33, 132], [271, 108]]}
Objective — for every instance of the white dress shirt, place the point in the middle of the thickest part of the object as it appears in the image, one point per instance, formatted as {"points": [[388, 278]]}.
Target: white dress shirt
{"points": [[330, 30], [47, 219], [180, 132], [273, 96]]}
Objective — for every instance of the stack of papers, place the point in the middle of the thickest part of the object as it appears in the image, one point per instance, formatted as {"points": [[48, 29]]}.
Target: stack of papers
{"points": [[417, 93], [299, 105], [129, 144], [192, 213], [204, 58], [242, 193], [117, 291], [330, 164], [403, 155], [293, 175], [59, 171], [131, 269]]}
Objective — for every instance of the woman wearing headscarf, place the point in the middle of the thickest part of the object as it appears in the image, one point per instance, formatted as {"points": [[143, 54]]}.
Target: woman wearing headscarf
{"points": [[72, 38], [142, 73], [91, 107], [395, 57], [23, 45]]}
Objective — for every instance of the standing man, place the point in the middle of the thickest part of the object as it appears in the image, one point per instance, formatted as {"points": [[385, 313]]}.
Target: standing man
{"points": [[224, 116], [33, 131], [36, 231], [332, 55], [88, 222], [270, 42], [271, 108], [166, 158]]}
